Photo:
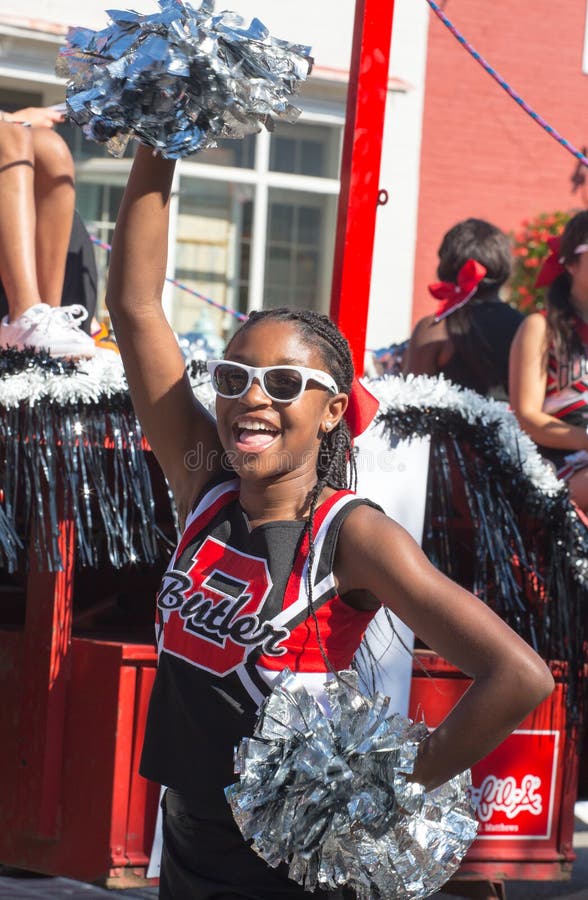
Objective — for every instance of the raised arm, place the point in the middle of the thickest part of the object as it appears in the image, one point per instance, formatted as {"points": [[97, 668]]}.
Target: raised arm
{"points": [[527, 382], [181, 433], [509, 679]]}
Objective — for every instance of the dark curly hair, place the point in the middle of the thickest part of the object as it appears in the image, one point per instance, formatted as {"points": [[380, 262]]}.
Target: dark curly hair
{"points": [[561, 315], [479, 240], [336, 462]]}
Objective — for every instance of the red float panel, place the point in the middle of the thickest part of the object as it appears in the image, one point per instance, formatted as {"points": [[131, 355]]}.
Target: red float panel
{"points": [[105, 811], [524, 791]]}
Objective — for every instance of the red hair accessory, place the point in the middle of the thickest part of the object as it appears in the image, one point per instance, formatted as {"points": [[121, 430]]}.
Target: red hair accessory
{"points": [[454, 296], [552, 266], [361, 409]]}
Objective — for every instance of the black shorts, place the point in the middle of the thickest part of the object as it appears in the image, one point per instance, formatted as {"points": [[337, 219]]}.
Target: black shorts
{"points": [[207, 858]]}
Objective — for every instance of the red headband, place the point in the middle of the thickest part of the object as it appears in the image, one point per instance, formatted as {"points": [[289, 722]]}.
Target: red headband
{"points": [[454, 296], [361, 409]]}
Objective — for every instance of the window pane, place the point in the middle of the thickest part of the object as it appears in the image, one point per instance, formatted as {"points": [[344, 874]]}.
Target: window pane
{"points": [[278, 270], [97, 203], [307, 268], [114, 199], [303, 149], [312, 158], [208, 257], [277, 296], [240, 153], [245, 254], [303, 299], [247, 219], [82, 148], [309, 225], [281, 221], [299, 249], [283, 154], [11, 100]]}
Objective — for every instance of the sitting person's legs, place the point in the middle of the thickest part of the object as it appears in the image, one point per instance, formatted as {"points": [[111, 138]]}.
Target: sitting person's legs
{"points": [[37, 189], [54, 204], [18, 265]]}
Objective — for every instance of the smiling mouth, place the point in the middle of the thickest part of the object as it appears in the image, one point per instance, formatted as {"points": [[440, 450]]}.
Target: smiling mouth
{"points": [[254, 436]]}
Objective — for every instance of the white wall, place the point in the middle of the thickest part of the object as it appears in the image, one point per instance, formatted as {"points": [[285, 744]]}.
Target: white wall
{"points": [[326, 24]]}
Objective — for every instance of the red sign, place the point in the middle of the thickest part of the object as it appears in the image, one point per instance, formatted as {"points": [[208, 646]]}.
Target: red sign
{"points": [[513, 788]]}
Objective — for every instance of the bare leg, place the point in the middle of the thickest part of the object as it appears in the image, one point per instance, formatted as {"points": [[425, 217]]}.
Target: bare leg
{"points": [[578, 485], [17, 218], [36, 213], [55, 201]]}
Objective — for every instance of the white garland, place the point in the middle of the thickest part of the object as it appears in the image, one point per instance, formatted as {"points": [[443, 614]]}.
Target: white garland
{"points": [[422, 392], [95, 380]]}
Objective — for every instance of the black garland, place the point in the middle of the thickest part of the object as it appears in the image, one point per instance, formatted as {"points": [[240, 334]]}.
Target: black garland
{"points": [[489, 527], [13, 362], [73, 459]]}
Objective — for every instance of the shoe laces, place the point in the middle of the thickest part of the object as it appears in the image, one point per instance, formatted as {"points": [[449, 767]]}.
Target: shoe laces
{"points": [[68, 316]]}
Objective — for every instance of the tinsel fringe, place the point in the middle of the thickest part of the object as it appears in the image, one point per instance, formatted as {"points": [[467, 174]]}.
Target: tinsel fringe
{"points": [[498, 520], [73, 449]]}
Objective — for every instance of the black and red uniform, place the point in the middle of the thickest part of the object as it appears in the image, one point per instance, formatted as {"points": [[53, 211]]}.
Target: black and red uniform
{"points": [[233, 612]]}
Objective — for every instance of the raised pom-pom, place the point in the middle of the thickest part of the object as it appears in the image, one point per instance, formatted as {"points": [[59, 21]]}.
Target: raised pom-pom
{"points": [[180, 79]]}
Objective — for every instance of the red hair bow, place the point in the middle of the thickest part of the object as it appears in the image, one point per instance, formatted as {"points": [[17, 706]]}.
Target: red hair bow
{"points": [[361, 409], [453, 296], [551, 267]]}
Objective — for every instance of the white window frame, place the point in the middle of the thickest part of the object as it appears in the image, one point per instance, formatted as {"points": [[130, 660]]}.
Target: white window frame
{"points": [[259, 177]]}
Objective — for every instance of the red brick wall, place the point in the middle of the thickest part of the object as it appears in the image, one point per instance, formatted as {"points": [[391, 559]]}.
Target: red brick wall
{"points": [[481, 154]]}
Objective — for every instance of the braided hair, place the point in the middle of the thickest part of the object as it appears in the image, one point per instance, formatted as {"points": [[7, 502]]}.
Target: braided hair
{"points": [[336, 466]]}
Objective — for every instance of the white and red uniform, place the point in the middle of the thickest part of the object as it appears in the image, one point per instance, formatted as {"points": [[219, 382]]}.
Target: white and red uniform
{"points": [[566, 398], [233, 612]]}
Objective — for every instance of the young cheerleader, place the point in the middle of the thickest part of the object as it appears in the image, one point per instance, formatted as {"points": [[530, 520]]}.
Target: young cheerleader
{"points": [[549, 363], [279, 563], [470, 341]]}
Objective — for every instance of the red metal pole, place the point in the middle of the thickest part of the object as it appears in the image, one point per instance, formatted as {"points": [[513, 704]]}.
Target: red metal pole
{"points": [[360, 170]]}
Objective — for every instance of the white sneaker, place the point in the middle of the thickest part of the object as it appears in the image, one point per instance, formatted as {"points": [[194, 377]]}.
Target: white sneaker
{"points": [[55, 329]]}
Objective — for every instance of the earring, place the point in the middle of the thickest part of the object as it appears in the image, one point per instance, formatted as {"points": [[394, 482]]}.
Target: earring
{"points": [[328, 426]]}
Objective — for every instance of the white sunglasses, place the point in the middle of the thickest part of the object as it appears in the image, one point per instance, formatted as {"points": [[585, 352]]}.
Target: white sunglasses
{"points": [[280, 383]]}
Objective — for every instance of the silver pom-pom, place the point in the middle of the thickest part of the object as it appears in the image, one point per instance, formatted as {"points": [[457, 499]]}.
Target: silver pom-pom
{"points": [[179, 79], [325, 789]]}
